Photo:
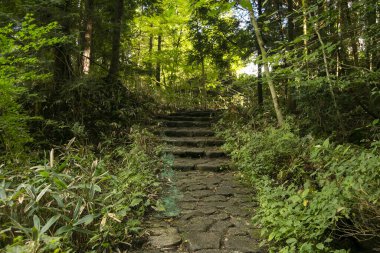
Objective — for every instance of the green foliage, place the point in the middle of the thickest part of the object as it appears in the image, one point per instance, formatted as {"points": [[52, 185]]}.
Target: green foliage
{"points": [[341, 200], [91, 105], [274, 152], [299, 220], [19, 66], [79, 201], [310, 192]]}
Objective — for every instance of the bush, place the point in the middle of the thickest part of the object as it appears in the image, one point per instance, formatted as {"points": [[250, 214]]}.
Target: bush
{"points": [[342, 201], [77, 201], [298, 219], [19, 65], [311, 193], [92, 104], [275, 152]]}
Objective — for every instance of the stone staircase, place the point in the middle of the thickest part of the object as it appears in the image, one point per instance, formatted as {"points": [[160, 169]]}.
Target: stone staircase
{"points": [[213, 210], [193, 142]]}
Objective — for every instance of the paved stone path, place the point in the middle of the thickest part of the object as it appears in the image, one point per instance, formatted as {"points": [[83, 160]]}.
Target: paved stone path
{"points": [[211, 210]]}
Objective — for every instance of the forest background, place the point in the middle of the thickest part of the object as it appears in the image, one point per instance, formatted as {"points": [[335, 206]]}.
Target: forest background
{"points": [[78, 79]]}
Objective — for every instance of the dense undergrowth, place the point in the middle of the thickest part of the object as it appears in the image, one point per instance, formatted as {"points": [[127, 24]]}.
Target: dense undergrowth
{"points": [[314, 195], [79, 201], [77, 172]]}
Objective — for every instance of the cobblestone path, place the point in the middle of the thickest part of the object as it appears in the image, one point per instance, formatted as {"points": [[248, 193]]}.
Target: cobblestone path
{"points": [[212, 209]]}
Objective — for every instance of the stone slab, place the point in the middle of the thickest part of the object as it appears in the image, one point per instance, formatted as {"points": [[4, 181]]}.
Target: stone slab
{"points": [[165, 238], [201, 241], [242, 243]]}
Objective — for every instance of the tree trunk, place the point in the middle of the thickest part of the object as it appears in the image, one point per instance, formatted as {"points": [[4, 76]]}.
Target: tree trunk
{"points": [[260, 97], [203, 88], [291, 102], [272, 89], [369, 44], [116, 35], [87, 35], [290, 21], [158, 63], [63, 69], [341, 56], [305, 33], [348, 29], [150, 65]]}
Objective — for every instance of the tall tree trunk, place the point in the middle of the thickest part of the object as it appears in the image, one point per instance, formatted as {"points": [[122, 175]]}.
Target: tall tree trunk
{"points": [[158, 63], [370, 21], [291, 102], [305, 33], [63, 69], [150, 65], [348, 29], [116, 35], [260, 97], [290, 21], [272, 89], [87, 35], [341, 56], [203, 88]]}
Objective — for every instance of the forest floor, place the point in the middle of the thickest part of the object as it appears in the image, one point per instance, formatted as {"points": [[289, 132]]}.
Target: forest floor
{"points": [[207, 209]]}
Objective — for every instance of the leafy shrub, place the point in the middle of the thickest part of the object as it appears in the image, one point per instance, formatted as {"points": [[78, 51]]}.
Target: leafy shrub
{"points": [[77, 201], [90, 108], [275, 152], [298, 220], [341, 201], [310, 193], [19, 65]]}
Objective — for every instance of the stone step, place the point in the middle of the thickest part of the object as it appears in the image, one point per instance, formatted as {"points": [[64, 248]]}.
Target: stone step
{"points": [[186, 132], [184, 118], [186, 123], [210, 152], [193, 141], [205, 113], [204, 164]]}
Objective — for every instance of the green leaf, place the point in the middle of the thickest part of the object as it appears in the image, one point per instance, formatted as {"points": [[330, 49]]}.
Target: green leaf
{"points": [[36, 222], [135, 202], [246, 4], [63, 230], [35, 234], [291, 240], [97, 188], [271, 236], [320, 246], [77, 209], [305, 193], [42, 193], [3, 194], [326, 143], [295, 198], [59, 200], [85, 220], [59, 183], [49, 223]]}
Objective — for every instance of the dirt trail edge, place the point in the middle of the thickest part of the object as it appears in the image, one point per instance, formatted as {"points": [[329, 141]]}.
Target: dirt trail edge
{"points": [[209, 211]]}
